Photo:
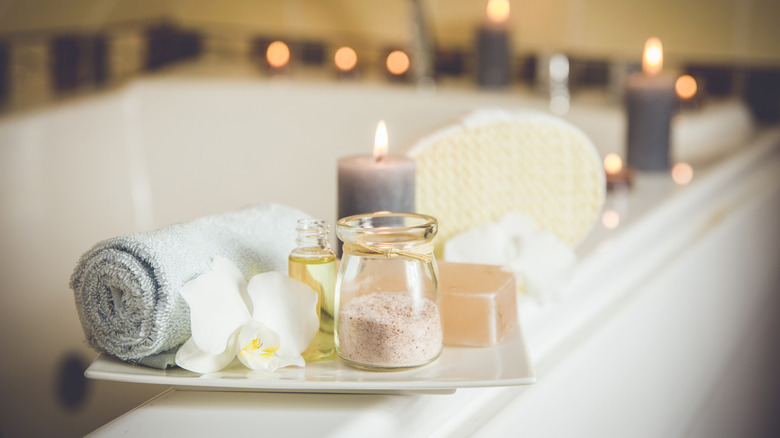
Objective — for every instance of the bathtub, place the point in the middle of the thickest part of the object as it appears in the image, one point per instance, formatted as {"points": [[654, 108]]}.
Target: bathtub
{"points": [[170, 148]]}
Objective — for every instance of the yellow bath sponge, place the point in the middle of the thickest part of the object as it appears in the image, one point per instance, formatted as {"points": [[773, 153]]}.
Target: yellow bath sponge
{"points": [[493, 162]]}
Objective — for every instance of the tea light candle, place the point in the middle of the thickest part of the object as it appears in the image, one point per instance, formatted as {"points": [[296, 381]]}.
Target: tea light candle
{"points": [[617, 176], [378, 182], [686, 89], [345, 59], [650, 102], [493, 64], [278, 56]]}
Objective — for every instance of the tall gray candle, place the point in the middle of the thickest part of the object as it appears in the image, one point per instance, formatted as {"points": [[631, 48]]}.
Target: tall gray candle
{"points": [[650, 103], [493, 47], [379, 182]]}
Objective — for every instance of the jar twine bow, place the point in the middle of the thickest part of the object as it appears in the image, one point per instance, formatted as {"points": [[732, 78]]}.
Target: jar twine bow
{"points": [[423, 253]]}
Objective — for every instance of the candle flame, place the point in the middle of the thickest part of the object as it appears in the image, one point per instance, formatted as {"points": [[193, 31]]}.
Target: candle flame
{"points": [[610, 218], [685, 86], [278, 54], [345, 58], [498, 11], [613, 164], [682, 173], [380, 141], [397, 62], [653, 58]]}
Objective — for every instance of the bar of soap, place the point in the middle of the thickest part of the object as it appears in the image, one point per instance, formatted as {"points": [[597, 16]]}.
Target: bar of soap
{"points": [[478, 303]]}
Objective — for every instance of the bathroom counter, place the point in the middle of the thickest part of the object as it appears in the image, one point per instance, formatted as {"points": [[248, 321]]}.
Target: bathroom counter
{"points": [[667, 328]]}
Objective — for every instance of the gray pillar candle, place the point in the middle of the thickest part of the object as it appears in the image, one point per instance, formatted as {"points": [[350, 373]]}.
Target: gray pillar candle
{"points": [[650, 103], [366, 185], [493, 47], [371, 183]]}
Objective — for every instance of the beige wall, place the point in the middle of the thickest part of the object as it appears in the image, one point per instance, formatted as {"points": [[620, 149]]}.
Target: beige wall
{"points": [[30, 15], [710, 30], [742, 31]]}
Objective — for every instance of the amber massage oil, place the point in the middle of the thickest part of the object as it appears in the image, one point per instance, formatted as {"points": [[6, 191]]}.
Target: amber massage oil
{"points": [[313, 263]]}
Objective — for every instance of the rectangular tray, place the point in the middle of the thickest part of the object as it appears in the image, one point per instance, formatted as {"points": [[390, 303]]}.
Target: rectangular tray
{"points": [[506, 364]]}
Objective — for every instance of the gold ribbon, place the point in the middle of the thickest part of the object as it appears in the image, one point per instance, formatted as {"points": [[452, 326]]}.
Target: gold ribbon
{"points": [[423, 253]]}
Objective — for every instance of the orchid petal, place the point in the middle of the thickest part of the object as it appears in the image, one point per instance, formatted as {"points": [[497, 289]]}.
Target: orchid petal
{"points": [[217, 308], [287, 307], [192, 358], [257, 345], [516, 223], [541, 261], [486, 245], [547, 264]]}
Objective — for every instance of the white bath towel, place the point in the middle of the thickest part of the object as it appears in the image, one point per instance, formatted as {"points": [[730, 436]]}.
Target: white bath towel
{"points": [[127, 288]]}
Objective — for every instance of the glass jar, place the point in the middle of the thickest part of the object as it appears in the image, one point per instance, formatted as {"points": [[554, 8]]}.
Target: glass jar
{"points": [[387, 297]]}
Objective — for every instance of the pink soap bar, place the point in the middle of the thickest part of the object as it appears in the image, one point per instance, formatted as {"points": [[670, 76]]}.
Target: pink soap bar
{"points": [[478, 303]]}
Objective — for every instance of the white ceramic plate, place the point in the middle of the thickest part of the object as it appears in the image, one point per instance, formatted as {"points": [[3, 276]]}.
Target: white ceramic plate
{"points": [[507, 364]]}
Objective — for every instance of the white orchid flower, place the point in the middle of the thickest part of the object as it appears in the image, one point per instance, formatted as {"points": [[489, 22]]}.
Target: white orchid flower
{"points": [[541, 262], [266, 323]]}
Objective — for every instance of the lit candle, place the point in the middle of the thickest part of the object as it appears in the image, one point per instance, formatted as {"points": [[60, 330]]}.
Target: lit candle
{"points": [[650, 103], [618, 177], [610, 218], [397, 64], [345, 60], [686, 89], [493, 52], [278, 56], [378, 182], [682, 173]]}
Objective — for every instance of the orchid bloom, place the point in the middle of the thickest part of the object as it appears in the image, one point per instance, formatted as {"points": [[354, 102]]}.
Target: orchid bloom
{"points": [[541, 262], [267, 323]]}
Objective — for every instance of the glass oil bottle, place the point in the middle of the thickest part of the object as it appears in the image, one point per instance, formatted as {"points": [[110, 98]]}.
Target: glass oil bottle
{"points": [[313, 263]]}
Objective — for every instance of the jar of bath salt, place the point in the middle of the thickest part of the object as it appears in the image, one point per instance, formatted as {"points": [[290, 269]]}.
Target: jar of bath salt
{"points": [[387, 296]]}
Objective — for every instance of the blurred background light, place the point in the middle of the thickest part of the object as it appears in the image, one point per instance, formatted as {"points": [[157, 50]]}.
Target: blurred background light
{"points": [[682, 173], [345, 58], [685, 86], [397, 62], [278, 54]]}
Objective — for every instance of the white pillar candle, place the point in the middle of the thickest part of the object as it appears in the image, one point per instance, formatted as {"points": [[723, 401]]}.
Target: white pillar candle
{"points": [[378, 182]]}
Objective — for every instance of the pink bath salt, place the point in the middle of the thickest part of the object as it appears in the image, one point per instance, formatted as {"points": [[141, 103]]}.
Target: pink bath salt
{"points": [[389, 329], [478, 303]]}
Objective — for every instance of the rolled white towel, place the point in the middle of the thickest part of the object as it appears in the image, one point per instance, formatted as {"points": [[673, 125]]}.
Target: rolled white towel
{"points": [[127, 288]]}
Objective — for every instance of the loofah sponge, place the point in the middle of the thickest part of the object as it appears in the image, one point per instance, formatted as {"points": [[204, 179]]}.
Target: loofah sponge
{"points": [[493, 162]]}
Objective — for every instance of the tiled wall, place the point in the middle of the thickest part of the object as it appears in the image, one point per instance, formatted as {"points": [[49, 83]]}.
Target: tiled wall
{"points": [[48, 66]]}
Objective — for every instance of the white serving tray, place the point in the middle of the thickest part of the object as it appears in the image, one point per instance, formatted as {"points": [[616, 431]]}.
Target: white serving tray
{"points": [[506, 364]]}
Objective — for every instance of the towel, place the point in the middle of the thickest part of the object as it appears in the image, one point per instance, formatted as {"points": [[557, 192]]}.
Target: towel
{"points": [[127, 288]]}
